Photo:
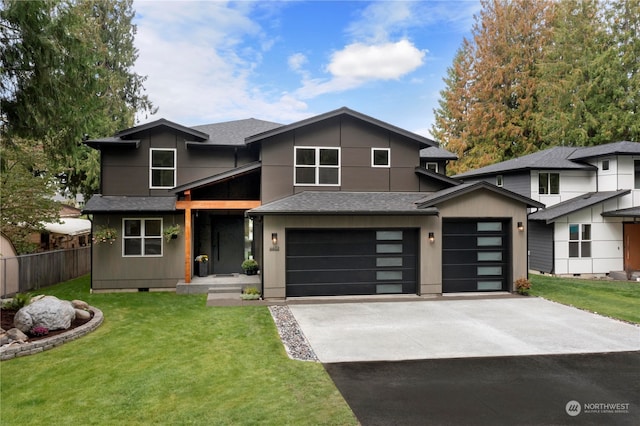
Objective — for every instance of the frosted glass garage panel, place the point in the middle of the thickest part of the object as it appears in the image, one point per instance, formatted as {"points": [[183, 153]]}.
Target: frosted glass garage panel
{"points": [[388, 261], [489, 226], [489, 270], [489, 241], [388, 248], [388, 275], [388, 235], [489, 256], [489, 285]]}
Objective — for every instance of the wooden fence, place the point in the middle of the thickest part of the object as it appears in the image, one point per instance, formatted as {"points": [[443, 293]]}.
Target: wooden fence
{"points": [[29, 272]]}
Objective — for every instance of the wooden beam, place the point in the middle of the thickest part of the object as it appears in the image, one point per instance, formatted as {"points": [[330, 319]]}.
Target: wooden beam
{"points": [[218, 204], [187, 245]]}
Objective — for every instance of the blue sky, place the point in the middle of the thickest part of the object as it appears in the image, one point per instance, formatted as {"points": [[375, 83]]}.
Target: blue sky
{"points": [[283, 61]]}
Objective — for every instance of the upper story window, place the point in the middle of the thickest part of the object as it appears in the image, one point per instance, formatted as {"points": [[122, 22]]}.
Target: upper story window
{"points": [[162, 168], [432, 166], [549, 183], [317, 166], [142, 237], [499, 181], [579, 240], [380, 157]]}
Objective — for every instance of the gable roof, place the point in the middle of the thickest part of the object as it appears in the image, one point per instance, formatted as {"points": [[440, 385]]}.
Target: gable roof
{"points": [[229, 174], [345, 203], [115, 203], [161, 123], [436, 153], [616, 148], [465, 188], [336, 113], [549, 159], [578, 203]]}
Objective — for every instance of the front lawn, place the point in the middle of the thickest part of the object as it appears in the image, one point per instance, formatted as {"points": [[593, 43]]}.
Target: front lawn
{"points": [[616, 299], [162, 358]]}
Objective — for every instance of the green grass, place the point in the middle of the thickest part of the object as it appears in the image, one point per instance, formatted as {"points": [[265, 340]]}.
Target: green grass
{"points": [[616, 299], [162, 358]]}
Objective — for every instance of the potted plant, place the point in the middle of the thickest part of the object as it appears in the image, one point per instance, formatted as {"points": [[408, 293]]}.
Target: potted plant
{"points": [[171, 232], [203, 266], [250, 267], [105, 234]]}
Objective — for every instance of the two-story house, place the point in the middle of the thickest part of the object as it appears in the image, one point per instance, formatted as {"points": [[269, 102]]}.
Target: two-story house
{"points": [[337, 204], [591, 223]]}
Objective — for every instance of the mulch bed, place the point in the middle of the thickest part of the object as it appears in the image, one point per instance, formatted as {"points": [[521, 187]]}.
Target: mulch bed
{"points": [[7, 323]]}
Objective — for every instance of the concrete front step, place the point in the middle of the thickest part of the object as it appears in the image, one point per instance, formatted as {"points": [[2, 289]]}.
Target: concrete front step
{"points": [[622, 276], [235, 288]]}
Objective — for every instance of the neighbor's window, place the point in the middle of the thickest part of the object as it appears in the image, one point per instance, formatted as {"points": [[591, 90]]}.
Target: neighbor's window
{"points": [[549, 183], [605, 164], [636, 168], [499, 180], [380, 157], [162, 170], [317, 166], [579, 240], [432, 166], [142, 237]]}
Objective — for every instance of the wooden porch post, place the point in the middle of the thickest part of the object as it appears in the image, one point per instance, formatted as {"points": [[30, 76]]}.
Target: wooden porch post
{"points": [[187, 239]]}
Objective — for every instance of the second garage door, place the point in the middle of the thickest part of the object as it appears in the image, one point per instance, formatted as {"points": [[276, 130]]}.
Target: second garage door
{"points": [[329, 262], [475, 255]]}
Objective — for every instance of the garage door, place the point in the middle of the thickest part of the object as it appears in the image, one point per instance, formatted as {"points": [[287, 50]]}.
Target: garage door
{"points": [[475, 255], [329, 262]]}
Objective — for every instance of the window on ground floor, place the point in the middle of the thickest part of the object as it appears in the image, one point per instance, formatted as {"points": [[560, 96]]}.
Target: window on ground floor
{"points": [[636, 169], [142, 237], [579, 240]]}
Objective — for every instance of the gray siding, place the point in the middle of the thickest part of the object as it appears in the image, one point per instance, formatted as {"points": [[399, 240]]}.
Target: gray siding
{"points": [[540, 246], [518, 182]]}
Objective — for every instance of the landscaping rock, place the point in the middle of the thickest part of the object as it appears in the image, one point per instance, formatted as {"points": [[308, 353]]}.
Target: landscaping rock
{"points": [[82, 314], [49, 312], [17, 335], [80, 304]]}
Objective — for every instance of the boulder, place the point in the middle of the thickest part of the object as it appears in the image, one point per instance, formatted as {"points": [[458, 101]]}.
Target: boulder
{"points": [[49, 312], [16, 335], [82, 314], [80, 304]]}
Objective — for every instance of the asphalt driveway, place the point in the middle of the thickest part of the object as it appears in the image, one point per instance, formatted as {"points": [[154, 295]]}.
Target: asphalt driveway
{"points": [[445, 329]]}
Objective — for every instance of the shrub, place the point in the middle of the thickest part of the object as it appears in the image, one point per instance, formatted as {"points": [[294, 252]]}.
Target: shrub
{"points": [[39, 331], [523, 286], [19, 301]]}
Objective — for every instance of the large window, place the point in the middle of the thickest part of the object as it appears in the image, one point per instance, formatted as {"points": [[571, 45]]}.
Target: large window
{"points": [[142, 237], [162, 169], [317, 166], [549, 183], [579, 240]]}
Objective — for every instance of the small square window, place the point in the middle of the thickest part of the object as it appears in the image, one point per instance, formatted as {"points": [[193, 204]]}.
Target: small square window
{"points": [[380, 157], [432, 167], [605, 164]]}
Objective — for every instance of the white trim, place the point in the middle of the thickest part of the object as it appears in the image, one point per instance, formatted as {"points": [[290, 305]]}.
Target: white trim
{"points": [[317, 166], [174, 168], [373, 152], [426, 166], [142, 236]]}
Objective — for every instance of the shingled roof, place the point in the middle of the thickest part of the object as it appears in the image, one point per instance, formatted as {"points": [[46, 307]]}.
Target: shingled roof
{"points": [[345, 203], [578, 203], [233, 133], [550, 159], [112, 203]]}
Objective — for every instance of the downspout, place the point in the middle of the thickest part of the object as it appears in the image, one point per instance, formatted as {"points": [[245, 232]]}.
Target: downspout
{"points": [[91, 257]]}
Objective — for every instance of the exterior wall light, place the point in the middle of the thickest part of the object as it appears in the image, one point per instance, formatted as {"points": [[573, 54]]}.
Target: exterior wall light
{"points": [[274, 238], [520, 227], [432, 237]]}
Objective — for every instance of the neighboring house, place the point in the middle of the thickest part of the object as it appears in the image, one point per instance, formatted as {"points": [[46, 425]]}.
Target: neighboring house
{"points": [[591, 223], [337, 204], [69, 232]]}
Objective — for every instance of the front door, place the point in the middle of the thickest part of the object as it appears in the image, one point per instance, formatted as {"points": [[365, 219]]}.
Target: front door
{"points": [[632, 246], [227, 244]]}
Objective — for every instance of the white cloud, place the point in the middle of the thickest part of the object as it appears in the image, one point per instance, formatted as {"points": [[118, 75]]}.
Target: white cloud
{"points": [[296, 61]]}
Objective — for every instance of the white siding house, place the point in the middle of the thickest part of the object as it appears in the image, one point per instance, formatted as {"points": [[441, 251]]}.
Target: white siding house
{"points": [[592, 199]]}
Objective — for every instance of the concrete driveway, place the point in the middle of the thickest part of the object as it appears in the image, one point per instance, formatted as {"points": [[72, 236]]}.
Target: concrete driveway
{"points": [[436, 329]]}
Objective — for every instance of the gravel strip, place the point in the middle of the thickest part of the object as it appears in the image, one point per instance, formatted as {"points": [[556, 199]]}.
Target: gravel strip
{"points": [[293, 339]]}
